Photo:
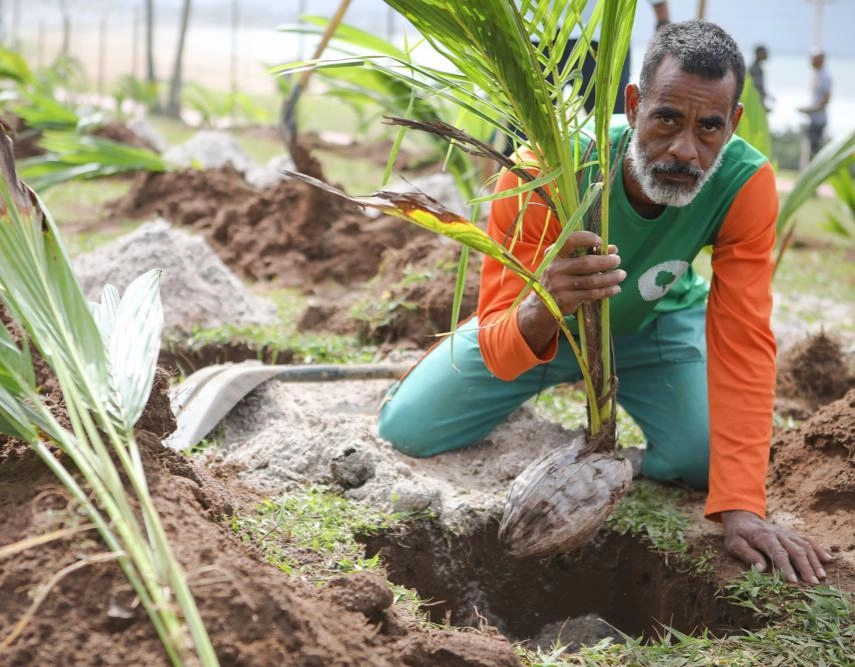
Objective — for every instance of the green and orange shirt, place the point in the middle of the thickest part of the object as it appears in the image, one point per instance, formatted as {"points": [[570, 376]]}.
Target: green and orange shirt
{"points": [[735, 214]]}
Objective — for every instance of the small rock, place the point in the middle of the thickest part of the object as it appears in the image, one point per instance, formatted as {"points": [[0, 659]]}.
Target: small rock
{"points": [[410, 496], [353, 467]]}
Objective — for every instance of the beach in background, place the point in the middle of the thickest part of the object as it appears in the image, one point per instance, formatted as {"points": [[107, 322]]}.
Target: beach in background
{"points": [[107, 38]]}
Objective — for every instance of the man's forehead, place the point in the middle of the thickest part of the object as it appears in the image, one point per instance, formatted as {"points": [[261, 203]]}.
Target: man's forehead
{"points": [[672, 85]]}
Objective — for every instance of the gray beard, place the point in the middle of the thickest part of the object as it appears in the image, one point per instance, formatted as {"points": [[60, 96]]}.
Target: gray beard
{"points": [[643, 169]]}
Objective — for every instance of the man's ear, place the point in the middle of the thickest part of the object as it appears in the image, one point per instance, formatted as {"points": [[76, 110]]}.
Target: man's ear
{"points": [[735, 116], [631, 105]]}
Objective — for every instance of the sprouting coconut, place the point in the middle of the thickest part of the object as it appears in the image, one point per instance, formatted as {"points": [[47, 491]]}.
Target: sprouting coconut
{"points": [[565, 162], [561, 499]]}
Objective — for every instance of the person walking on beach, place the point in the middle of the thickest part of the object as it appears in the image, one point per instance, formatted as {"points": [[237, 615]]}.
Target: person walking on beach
{"points": [[820, 96], [696, 362]]}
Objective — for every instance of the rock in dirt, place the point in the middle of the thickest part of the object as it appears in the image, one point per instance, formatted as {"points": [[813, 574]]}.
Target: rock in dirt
{"points": [[363, 592], [197, 290]]}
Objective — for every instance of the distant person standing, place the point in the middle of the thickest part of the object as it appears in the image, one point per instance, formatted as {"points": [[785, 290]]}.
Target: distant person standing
{"points": [[820, 95], [758, 76]]}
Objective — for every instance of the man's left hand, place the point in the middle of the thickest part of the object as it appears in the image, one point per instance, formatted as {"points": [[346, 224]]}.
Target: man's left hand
{"points": [[753, 540]]}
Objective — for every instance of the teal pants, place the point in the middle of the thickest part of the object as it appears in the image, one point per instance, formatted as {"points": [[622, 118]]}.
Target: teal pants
{"points": [[445, 403]]}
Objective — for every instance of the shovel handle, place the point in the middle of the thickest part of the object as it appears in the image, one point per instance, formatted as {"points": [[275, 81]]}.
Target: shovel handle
{"points": [[289, 108]]}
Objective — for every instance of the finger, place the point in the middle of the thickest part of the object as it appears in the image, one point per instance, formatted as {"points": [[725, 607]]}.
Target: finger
{"points": [[573, 291], [579, 240], [802, 557], [821, 553], [740, 548], [585, 264], [780, 557], [814, 554]]}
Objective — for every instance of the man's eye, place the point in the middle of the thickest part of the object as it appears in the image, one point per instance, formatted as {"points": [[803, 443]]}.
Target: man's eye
{"points": [[667, 120], [709, 128]]}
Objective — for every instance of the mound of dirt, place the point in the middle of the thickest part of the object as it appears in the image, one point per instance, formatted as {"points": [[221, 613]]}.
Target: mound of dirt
{"points": [[814, 371], [121, 133], [811, 373], [812, 475], [290, 234], [197, 289], [254, 613], [408, 303]]}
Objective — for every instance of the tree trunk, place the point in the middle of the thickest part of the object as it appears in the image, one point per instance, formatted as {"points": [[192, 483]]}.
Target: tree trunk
{"points": [[173, 106], [66, 28], [233, 63]]}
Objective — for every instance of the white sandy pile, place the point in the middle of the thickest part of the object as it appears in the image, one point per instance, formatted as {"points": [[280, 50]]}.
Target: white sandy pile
{"points": [[197, 289], [287, 435], [210, 149]]}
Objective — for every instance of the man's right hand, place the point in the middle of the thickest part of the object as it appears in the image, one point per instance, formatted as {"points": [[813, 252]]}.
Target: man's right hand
{"points": [[573, 278]]}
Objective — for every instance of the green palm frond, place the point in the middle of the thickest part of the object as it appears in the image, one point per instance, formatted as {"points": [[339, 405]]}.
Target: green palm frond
{"points": [[826, 162], [754, 124], [103, 357], [72, 155]]}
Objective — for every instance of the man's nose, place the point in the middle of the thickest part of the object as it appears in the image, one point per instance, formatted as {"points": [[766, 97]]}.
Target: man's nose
{"points": [[683, 147]]}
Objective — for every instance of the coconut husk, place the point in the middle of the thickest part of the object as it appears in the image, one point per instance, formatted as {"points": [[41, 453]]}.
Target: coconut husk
{"points": [[561, 499]]}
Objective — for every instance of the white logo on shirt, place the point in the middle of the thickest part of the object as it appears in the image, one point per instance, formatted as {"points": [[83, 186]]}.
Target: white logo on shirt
{"points": [[657, 280]]}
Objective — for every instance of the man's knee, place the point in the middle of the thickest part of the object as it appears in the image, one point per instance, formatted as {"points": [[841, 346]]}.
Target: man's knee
{"points": [[402, 429], [687, 461]]}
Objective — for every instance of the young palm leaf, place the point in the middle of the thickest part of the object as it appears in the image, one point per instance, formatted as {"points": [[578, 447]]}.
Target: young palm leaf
{"points": [[104, 358], [507, 73]]}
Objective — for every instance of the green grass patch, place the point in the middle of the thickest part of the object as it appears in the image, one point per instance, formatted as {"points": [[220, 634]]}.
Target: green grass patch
{"points": [[805, 626], [84, 201], [312, 534], [281, 336]]}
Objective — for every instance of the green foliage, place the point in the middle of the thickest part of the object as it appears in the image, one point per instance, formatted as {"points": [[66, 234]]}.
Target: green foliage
{"points": [[14, 67], [213, 106], [830, 159], [139, 90], [103, 356], [842, 221], [317, 521], [754, 124], [72, 155]]}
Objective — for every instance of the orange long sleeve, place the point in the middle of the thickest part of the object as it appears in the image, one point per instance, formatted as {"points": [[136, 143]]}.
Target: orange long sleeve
{"points": [[741, 350]]}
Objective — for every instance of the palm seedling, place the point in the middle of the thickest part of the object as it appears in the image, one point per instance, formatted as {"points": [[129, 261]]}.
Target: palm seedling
{"points": [[103, 356], [505, 57]]}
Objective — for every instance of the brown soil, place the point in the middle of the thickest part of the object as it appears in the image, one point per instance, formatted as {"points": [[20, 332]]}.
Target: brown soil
{"points": [[409, 302], [812, 373], [122, 134], [290, 234], [255, 614], [812, 475], [295, 235]]}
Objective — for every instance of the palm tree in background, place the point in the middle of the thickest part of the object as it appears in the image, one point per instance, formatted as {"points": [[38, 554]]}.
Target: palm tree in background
{"points": [[173, 105]]}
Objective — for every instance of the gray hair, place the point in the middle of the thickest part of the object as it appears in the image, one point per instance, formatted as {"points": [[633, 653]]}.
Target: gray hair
{"points": [[700, 47]]}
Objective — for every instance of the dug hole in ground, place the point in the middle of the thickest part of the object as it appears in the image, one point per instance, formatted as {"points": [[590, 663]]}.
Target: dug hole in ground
{"points": [[220, 242]]}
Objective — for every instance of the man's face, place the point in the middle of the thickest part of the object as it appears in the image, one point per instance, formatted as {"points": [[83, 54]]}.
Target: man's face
{"points": [[680, 130]]}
